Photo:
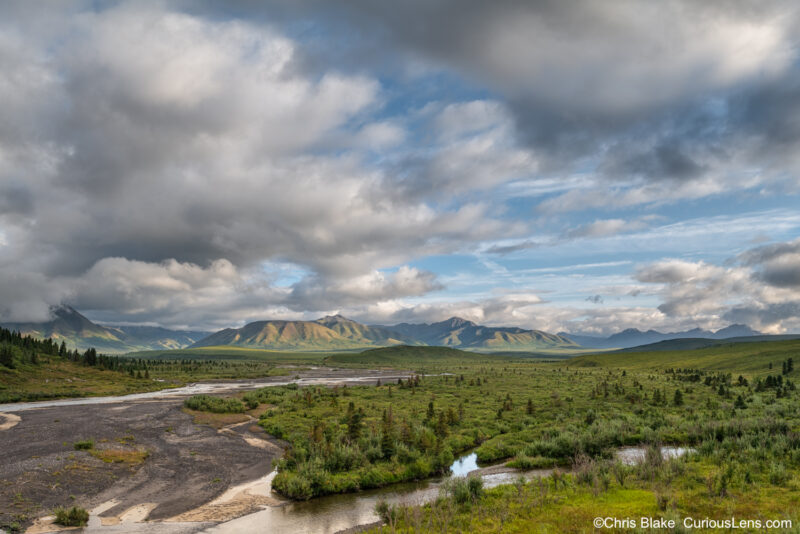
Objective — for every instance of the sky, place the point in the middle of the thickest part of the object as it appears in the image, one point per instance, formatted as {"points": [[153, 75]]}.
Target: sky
{"points": [[563, 166]]}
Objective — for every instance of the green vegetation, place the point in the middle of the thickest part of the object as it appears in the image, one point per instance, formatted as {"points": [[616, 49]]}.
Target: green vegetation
{"points": [[207, 403], [74, 517], [751, 358], [33, 369], [412, 357], [229, 353], [84, 445], [743, 425], [742, 421]]}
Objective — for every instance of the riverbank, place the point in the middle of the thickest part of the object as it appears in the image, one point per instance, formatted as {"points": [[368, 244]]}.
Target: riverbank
{"points": [[140, 454]]}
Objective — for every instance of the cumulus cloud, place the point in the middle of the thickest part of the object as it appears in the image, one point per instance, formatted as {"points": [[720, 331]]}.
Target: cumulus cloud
{"points": [[220, 294], [153, 156], [149, 133], [759, 288]]}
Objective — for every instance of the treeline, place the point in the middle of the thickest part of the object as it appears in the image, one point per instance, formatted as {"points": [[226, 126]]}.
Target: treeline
{"points": [[17, 349]]}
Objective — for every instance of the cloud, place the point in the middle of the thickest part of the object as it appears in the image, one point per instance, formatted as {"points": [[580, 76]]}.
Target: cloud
{"points": [[219, 295], [151, 135], [759, 287], [154, 156], [608, 227], [320, 294]]}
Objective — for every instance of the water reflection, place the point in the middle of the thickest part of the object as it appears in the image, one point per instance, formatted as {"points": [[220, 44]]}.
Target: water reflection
{"points": [[464, 465]]}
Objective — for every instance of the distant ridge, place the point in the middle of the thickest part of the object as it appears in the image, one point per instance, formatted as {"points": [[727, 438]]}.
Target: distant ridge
{"points": [[339, 333], [461, 333], [633, 337], [692, 343]]}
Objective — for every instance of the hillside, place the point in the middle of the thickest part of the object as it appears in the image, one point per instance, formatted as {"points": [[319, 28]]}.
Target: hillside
{"points": [[327, 333], [752, 358], [35, 369], [633, 337], [700, 343], [339, 333], [406, 356], [70, 326], [460, 333]]}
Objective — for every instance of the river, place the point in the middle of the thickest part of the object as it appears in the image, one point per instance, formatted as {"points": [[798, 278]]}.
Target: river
{"points": [[323, 515]]}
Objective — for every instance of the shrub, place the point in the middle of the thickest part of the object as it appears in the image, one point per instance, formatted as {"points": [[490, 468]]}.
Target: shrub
{"points": [[84, 445], [74, 517], [531, 462], [387, 513], [207, 403], [293, 485], [778, 475], [462, 489]]}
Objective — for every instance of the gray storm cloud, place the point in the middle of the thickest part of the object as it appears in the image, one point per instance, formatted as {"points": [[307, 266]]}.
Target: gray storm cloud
{"points": [[155, 155]]}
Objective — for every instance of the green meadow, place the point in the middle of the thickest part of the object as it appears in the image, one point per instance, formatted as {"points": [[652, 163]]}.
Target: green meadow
{"points": [[734, 405]]}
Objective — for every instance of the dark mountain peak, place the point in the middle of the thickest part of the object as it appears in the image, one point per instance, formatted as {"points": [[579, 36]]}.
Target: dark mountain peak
{"points": [[736, 330], [626, 332], [68, 317], [456, 322]]}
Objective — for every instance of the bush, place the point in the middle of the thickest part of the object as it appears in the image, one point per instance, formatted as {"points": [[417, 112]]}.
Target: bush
{"points": [[462, 489], [84, 445], [74, 517], [251, 400], [207, 403], [293, 485], [388, 514], [778, 476]]}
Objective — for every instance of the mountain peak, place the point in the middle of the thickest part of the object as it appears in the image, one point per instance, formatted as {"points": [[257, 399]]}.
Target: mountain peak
{"points": [[736, 330], [457, 322], [338, 318]]}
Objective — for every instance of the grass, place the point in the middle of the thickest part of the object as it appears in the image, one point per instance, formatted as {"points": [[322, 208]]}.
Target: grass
{"points": [[752, 359], [55, 378], [408, 356], [84, 445], [574, 414], [123, 456], [235, 353], [571, 413]]}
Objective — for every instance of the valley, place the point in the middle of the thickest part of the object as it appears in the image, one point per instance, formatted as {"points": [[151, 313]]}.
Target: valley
{"points": [[369, 422]]}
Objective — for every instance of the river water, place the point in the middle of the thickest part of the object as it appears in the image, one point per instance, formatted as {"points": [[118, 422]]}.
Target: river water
{"points": [[330, 514], [201, 388], [323, 515]]}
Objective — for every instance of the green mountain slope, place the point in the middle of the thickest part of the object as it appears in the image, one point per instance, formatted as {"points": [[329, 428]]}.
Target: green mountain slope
{"points": [[328, 333]]}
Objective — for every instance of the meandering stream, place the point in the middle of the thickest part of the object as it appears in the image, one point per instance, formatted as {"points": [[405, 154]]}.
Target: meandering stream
{"points": [[330, 514]]}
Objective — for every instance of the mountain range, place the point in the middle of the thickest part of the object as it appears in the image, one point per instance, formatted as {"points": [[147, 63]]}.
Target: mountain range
{"points": [[633, 337], [339, 333], [335, 332], [68, 325]]}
